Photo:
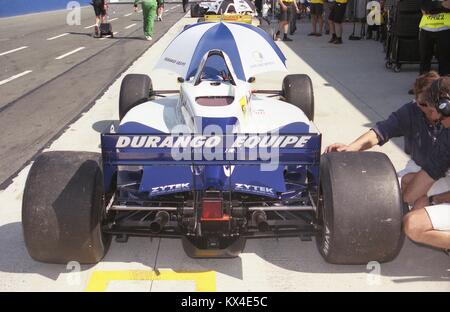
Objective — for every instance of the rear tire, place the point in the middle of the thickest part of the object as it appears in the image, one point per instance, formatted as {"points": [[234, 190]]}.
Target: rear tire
{"points": [[365, 224], [134, 90], [298, 90], [63, 209]]}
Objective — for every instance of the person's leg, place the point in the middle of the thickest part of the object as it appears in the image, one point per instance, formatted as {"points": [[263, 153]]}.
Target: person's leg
{"points": [[426, 45], [149, 13], [314, 24], [420, 225], [327, 9], [331, 24], [443, 52], [338, 19], [320, 24]]}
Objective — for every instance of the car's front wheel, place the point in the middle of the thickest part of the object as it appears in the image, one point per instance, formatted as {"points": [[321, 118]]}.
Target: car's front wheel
{"points": [[298, 90], [134, 90]]}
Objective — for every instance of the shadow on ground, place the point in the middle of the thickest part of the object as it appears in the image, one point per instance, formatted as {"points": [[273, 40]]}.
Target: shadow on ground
{"points": [[291, 254]]}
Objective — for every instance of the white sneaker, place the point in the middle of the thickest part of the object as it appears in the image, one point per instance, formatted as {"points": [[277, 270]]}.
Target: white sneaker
{"points": [[148, 38]]}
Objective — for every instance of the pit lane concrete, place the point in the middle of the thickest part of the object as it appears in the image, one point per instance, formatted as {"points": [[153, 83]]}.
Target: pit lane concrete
{"points": [[352, 91]]}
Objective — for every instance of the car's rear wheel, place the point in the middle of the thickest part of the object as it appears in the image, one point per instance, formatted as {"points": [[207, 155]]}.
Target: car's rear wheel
{"points": [[360, 208], [298, 90], [63, 208], [134, 90]]}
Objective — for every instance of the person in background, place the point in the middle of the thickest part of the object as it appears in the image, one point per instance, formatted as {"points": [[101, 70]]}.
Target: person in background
{"points": [[185, 5], [435, 30], [316, 16], [287, 10], [327, 5], [160, 9], [100, 14], [335, 20], [149, 14]]}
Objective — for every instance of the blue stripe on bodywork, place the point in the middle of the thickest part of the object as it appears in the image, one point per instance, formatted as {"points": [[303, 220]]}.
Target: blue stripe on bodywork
{"points": [[221, 38]]}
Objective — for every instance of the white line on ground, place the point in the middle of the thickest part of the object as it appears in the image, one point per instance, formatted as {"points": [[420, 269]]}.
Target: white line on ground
{"points": [[113, 19], [69, 53], [129, 26], [87, 27], [15, 77], [15, 50], [103, 38], [140, 11], [59, 36], [126, 15]]}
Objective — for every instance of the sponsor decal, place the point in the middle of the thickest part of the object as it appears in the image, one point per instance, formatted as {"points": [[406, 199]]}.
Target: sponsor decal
{"points": [[214, 141], [170, 188], [254, 188]]}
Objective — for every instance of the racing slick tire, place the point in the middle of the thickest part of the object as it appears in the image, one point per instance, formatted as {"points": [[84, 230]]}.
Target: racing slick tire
{"points": [[360, 209], [134, 90], [63, 209], [298, 90]]}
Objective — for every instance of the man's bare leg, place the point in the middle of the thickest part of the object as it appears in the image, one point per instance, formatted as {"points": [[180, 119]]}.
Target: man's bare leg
{"points": [[418, 227]]}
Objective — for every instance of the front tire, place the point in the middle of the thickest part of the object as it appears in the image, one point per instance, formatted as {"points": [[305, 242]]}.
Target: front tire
{"points": [[63, 209], [134, 90], [360, 210], [298, 90]]}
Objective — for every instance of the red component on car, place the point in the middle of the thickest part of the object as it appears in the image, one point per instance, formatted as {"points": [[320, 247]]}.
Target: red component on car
{"points": [[212, 210]]}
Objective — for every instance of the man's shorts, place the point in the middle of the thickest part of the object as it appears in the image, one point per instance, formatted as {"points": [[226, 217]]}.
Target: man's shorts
{"points": [[337, 13], [316, 9], [99, 8], [286, 16], [439, 216]]}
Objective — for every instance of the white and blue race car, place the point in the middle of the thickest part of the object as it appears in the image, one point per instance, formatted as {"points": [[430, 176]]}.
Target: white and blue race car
{"points": [[214, 163]]}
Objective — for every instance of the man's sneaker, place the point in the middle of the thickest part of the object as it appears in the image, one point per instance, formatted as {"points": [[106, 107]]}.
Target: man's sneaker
{"points": [[318, 34], [148, 38], [286, 38], [338, 41], [333, 38], [312, 34]]}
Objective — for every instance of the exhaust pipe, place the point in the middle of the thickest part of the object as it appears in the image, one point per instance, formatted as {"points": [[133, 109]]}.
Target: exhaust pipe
{"points": [[161, 219], [260, 219]]}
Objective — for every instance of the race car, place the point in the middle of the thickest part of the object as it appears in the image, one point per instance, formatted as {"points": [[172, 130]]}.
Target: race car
{"points": [[215, 7], [214, 164]]}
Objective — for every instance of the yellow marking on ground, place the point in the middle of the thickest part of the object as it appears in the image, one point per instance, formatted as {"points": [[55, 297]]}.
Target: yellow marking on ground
{"points": [[204, 281]]}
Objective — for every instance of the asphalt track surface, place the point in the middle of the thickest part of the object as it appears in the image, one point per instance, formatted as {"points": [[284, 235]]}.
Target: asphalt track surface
{"points": [[50, 72]]}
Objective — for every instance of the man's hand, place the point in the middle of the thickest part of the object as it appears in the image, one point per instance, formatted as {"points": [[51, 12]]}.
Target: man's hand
{"points": [[338, 147], [446, 4]]}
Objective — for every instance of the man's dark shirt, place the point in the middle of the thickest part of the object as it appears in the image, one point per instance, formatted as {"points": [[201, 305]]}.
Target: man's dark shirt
{"points": [[420, 137], [438, 161]]}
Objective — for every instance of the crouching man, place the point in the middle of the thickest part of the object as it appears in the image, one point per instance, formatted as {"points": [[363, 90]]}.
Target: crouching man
{"points": [[428, 191]]}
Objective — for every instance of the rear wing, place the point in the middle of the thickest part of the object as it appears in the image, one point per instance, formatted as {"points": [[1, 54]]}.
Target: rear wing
{"points": [[198, 149]]}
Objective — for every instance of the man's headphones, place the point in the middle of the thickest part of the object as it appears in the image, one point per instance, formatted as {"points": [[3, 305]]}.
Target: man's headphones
{"points": [[441, 102]]}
